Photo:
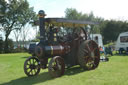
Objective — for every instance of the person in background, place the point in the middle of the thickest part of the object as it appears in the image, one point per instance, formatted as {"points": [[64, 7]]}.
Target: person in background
{"points": [[110, 50], [103, 56], [101, 50]]}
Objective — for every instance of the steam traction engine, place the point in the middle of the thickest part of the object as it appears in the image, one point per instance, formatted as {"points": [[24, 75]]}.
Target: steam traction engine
{"points": [[65, 43]]}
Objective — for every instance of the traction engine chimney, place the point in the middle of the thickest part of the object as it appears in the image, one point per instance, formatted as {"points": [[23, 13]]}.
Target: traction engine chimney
{"points": [[42, 14]]}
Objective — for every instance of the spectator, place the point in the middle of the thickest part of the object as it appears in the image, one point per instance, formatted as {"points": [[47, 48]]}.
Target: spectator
{"points": [[110, 50]]}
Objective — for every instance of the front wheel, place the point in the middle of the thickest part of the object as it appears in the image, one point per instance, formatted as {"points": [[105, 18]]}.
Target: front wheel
{"points": [[31, 66], [56, 66]]}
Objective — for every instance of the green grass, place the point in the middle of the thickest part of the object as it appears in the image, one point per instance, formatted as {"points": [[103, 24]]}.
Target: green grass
{"points": [[114, 72]]}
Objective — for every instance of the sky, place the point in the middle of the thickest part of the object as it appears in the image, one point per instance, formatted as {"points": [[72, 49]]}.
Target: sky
{"points": [[107, 9]]}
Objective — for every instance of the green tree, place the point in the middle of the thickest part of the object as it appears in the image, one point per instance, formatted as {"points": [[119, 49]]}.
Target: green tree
{"points": [[16, 14], [10, 45], [71, 13], [111, 29], [1, 44]]}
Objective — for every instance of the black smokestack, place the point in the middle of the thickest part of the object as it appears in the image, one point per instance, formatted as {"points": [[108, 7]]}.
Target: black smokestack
{"points": [[42, 25]]}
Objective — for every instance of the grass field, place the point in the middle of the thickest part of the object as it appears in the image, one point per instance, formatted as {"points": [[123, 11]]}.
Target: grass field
{"points": [[114, 72]]}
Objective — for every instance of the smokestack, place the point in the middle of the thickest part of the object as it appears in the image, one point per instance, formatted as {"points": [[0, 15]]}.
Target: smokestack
{"points": [[42, 14]]}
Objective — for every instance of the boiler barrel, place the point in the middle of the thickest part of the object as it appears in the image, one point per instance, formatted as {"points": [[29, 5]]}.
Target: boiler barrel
{"points": [[56, 50]]}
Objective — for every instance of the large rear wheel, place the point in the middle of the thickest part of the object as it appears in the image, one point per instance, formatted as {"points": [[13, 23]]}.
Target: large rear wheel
{"points": [[88, 55]]}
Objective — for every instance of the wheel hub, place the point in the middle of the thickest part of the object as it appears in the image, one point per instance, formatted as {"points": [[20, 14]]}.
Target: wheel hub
{"points": [[32, 66], [90, 62]]}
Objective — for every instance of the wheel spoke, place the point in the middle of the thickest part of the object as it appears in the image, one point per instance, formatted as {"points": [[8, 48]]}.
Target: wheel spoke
{"points": [[86, 51], [34, 61], [30, 61], [32, 72], [28, 70], [27, 67], [88, 47], [35, 70], [91, 46], [58, 65], [95, 49], [27, 63]]}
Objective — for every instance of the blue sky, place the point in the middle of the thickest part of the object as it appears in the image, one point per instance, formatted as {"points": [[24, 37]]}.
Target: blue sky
{"points": [[108, 9]]}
